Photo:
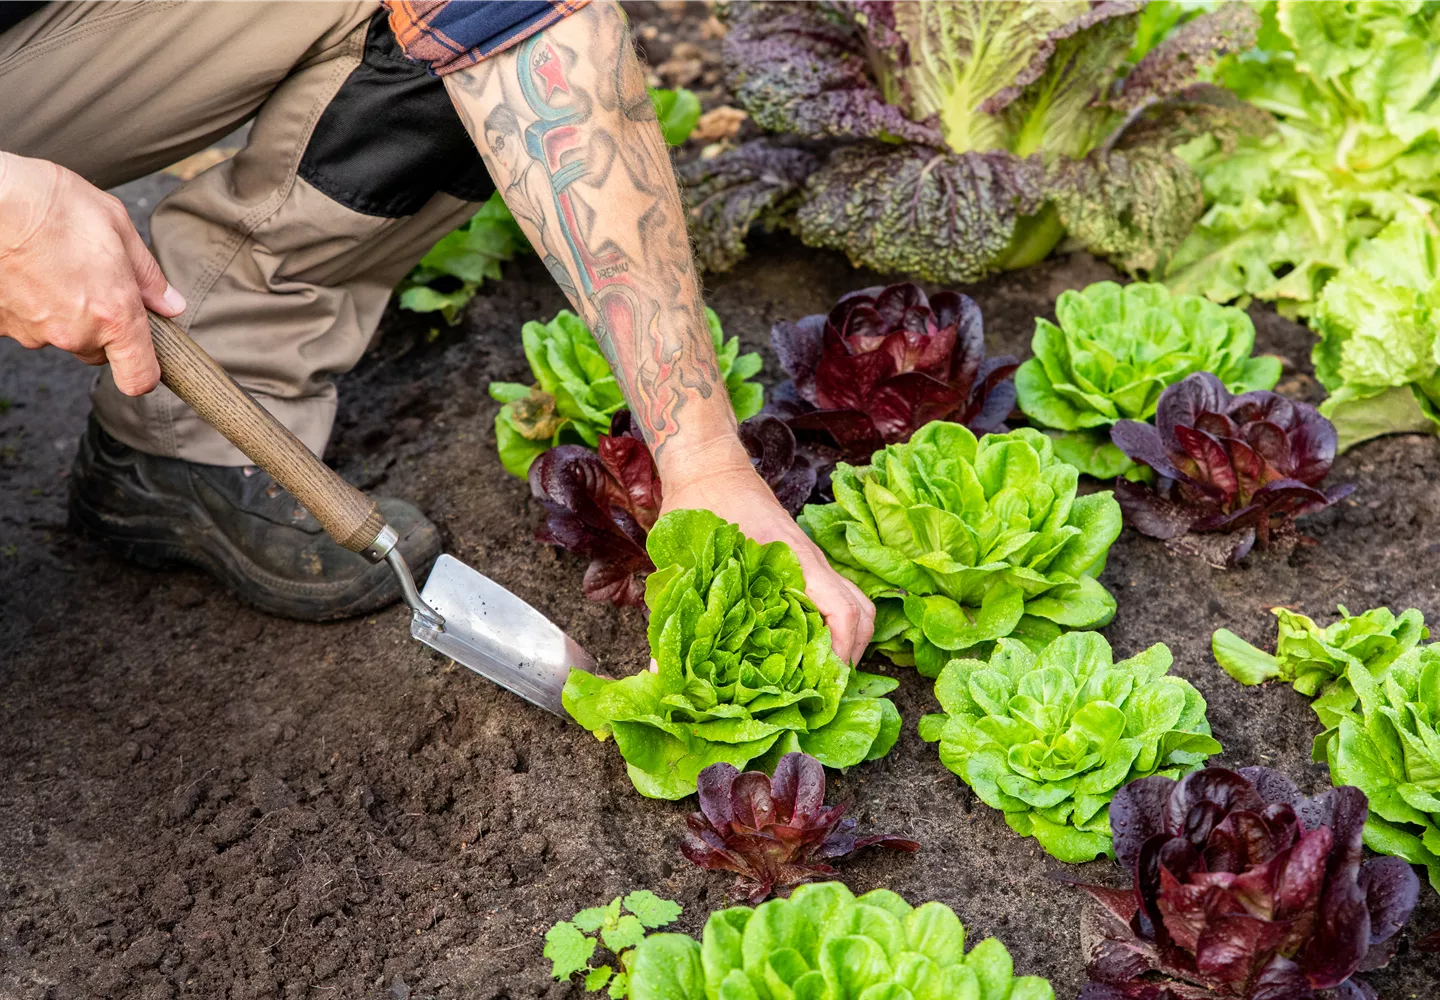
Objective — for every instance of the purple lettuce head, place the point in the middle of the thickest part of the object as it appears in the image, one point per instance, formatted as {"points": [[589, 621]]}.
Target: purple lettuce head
{"points": [[1243, 888], [601, 505], [885, 362], [774, 833], [1243, 467]]}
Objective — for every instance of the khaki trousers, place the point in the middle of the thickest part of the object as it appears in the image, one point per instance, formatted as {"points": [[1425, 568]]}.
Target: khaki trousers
{"points": [[285, 284]]}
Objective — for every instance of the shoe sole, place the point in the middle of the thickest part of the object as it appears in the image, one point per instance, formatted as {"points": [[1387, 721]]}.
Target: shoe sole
{"points": [[182, 533]]}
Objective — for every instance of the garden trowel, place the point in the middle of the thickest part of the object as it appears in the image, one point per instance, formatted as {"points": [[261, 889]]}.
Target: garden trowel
{"points": [[468, 617]]}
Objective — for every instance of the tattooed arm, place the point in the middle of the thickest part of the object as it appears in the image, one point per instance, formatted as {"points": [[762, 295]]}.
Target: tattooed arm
{"points": [[567, 130]]}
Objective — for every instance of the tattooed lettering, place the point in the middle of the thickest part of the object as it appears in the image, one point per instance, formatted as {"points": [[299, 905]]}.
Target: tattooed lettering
{"points": [[570, 135]]}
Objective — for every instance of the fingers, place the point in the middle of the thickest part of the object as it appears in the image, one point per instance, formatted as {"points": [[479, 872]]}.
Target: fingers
{"points": [[156, 293], [126, 334], [848, 613]]}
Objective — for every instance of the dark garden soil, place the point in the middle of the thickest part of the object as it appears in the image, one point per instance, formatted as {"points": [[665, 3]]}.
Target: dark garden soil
{"points": [[197, 800]]}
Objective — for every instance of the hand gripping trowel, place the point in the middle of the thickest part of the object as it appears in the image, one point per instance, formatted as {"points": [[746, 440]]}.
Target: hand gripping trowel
{"points": [[468, 617]]}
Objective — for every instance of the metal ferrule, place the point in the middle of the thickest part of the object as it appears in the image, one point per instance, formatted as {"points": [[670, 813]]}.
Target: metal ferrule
{"points": [[382, 546]]}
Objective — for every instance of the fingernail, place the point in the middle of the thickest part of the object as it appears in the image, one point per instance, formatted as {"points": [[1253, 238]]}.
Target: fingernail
{"points": [[173, 300]]}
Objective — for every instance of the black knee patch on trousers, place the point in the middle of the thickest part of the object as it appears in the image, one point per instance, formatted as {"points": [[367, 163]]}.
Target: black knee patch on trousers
{"points": [[391, 140]]}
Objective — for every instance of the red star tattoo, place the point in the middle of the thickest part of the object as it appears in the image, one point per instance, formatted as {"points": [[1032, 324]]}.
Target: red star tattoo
{"points": [[547, 67]]}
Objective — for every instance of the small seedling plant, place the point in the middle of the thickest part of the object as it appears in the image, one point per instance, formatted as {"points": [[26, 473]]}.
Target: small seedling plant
{"points": [[619, 926]]}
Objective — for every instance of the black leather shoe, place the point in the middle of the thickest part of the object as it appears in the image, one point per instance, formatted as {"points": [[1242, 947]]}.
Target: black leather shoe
{"points": [[239, 525]]}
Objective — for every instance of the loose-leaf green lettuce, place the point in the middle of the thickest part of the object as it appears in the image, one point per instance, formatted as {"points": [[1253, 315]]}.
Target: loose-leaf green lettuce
{"points": [[745, 669], [961, 137], [1390, 750], [825, 943], [1115, 350], [1050, 738], [1317, 660], [1345, 193], [962, 542], [576, 394], [451, 272], [1379, 327], [1352, 87]]}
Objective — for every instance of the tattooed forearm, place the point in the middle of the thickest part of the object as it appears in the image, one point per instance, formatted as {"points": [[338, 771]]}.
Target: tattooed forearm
{"points": [[566, 127]]}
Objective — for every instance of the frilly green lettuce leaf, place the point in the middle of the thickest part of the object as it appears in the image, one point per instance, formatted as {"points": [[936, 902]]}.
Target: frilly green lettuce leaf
{"points": [[962, 542], [576, 394], [1049, 738], [1379, 326], [745, 671], [1388, 746], [1294, 214], [1317, 660]]}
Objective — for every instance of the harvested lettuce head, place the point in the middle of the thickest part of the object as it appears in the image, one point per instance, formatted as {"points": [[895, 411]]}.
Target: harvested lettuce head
{"points": [[1116, 349], [1050, 738], [825, 942], [576, 394], [954, 138], [962, 542], [745, 669], [1317, 660]]}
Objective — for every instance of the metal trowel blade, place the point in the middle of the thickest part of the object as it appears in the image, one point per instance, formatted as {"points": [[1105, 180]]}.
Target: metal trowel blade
{"points": [[499, 636]]}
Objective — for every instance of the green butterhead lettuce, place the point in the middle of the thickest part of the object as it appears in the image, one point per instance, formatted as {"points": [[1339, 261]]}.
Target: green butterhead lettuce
{"points": [[1317, 660], [1116, 349], [576, 393], [962, 542], [746, 672], [1390, 750], [1050, 738], [825, 943]]}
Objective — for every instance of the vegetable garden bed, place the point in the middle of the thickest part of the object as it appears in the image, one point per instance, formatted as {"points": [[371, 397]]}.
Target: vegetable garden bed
{"points": [[202, 801], [239, 802]]}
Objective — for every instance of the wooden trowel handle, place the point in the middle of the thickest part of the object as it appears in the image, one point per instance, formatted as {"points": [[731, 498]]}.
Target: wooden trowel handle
{"points": [[349, 516]]}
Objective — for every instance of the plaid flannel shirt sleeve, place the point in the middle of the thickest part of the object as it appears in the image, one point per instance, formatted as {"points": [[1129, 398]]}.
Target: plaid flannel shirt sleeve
{"points": [[451, 35]]}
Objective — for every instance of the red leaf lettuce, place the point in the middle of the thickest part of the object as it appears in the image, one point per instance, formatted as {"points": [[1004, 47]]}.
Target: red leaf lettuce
{"points": [[1242, 888], [883, 363], [1243, 467], [774, 833]]}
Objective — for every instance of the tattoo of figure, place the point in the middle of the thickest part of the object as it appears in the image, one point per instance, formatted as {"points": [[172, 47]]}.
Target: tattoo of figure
{"points": [[572, 139]]}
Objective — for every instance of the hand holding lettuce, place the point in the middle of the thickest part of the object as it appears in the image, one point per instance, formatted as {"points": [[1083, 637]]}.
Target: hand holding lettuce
{"points": [[745, 668]]}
